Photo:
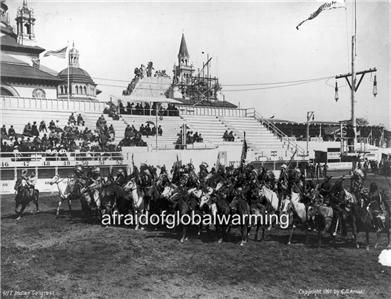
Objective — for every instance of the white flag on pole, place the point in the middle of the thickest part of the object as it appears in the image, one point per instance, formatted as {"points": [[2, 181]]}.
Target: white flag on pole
{"points": [[327, 5]]}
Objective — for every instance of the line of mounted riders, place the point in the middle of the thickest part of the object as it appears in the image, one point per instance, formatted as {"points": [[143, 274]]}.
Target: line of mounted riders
{"points": [[321, 207]]}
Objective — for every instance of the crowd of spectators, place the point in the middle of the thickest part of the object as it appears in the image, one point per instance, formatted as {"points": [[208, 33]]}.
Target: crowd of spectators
{"points": [[228, 136], [132, 137], [140, 73], [147, 109], [74, 136], [111, 110], [147, 130], [190, 139]]}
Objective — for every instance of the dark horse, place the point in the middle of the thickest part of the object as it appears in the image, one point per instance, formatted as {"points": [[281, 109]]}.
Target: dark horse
{"points": [[240, 207], [114, 198], [23, 198]]}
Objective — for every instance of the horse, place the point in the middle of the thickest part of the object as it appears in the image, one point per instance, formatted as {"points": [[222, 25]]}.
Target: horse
{"points": [[23, 197], [114, 198], [239, 206], [137, 197], [68, 189], [383, 221], [218, 203], [361, 219], [319, 216], [296, 212], [183, 202]]}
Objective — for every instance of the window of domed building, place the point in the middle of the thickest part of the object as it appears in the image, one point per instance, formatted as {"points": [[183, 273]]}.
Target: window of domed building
{"points": [[39, 93]]}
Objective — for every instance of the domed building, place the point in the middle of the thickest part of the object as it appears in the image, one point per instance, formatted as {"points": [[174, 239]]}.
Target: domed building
{"points": [[79, 81]]}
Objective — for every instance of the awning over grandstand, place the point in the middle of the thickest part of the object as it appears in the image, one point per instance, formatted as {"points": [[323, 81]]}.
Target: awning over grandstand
{"points": [[131, 98]]}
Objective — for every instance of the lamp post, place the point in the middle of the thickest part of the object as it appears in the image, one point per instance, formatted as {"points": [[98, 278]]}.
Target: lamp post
{"points": [[310, 116]]}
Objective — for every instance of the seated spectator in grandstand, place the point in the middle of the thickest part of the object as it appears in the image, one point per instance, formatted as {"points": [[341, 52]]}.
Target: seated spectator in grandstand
{"points": [[5, 147], [142, 130], [52, 125], [199, 137], [121, 108], [101, 122], [42, 126], [11, 131], [34, 129], [128, 131], [3, 132], [112, 131], [139, 109], [71, 119], [80, 120], [160, 130], [225, 136], [129, 108], [231, 136], [148, 131], [147, 108], [27, 130]]}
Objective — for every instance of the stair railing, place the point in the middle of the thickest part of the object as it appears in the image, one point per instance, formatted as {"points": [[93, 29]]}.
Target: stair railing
{"points": [[291, 145]]}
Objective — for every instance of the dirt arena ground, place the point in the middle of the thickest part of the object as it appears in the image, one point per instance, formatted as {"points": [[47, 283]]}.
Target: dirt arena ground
{"points": [[69, 257]]}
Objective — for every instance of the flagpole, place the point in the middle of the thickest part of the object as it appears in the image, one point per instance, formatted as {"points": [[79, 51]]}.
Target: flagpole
{"points": [[353, 87], [69, 90]]}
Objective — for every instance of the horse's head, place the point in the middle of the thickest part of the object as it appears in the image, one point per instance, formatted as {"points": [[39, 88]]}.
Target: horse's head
{"points": [[205, 198], [130, 186], [234, 204], [168, 191], [54, 180], [286, 206]]}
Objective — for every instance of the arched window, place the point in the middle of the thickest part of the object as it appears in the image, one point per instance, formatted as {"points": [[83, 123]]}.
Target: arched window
{"points": [[6, 92], [62, 89], [77, 89], [39, 93], [85, 90], [66, 89], [28, 28]]}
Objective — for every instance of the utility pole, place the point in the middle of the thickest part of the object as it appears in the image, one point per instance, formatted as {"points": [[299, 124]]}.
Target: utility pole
{"points": [[310, 115], [354, 85]]}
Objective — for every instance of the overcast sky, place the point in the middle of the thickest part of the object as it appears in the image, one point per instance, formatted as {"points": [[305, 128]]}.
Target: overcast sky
{"points": [[250, 42]]}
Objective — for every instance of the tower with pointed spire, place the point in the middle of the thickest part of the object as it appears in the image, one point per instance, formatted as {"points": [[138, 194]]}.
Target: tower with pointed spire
{"points": [[184, 70], [25, 22]]}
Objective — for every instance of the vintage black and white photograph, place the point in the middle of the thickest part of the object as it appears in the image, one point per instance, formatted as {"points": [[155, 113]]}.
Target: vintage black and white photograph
{"points": [[195, 149]]}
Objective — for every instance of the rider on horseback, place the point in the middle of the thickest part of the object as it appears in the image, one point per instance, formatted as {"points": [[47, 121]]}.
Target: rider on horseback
{"points": [[121, 178], [283, 181], [377, 207], [24, 181], [95, 183]]}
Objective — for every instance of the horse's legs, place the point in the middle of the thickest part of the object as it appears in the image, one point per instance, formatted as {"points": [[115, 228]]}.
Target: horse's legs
{"points": [[58, 207], [21, 211], [367, 238], [319, 238], [221, 230], [291, 234], [306, 234], [36, 197], [354, 232], [70, 204], [244, 233], [184, 229], [256, 233]]}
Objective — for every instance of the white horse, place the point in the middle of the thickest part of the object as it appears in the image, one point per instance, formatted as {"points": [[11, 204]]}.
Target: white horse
{"points": [[292, 206], [137, 198], [272, 199], [65, 188]]}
